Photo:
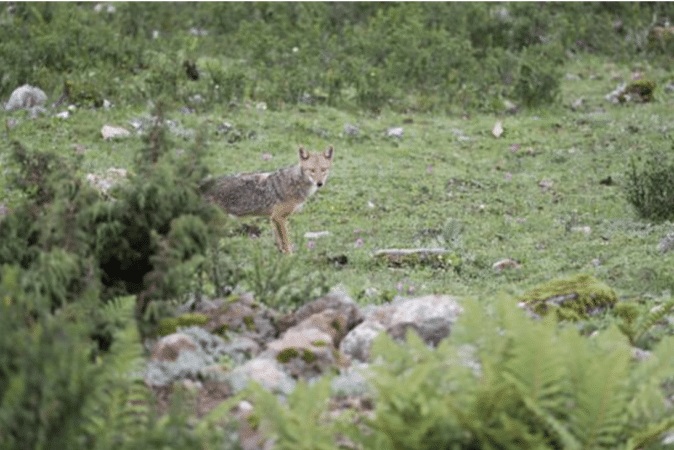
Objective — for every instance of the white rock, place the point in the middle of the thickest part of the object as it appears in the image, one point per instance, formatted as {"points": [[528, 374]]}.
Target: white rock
{"points": [[395, 132], [109, 132], [497, 131], [315, 234]]}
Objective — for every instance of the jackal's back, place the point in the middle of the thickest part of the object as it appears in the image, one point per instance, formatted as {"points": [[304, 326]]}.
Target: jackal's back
{"points": [[257, 193]]}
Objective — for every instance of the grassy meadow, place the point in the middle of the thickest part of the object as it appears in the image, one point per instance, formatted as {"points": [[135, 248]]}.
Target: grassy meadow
{"points": [[533, 195], [411, 96]]}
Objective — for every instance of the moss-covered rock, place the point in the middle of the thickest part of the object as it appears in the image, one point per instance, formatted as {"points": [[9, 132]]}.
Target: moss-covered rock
{"points": [[189, 319], [641, 89], [571, 298], [169, 325]]}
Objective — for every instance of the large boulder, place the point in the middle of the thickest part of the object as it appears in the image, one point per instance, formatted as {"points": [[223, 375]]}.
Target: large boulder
{"points": [[25, 97], [431, 317], [338, 301]]}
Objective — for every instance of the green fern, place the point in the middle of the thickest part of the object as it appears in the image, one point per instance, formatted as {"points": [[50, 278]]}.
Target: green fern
{"points": [[119, 409], [652, 318], [600, 390], [500, 381], [637, 328], [538, 386]]}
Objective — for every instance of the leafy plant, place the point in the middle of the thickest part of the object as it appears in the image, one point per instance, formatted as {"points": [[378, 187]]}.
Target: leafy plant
{"points": [[508, 382], [649, 186], [275, 281], [638, 328]]}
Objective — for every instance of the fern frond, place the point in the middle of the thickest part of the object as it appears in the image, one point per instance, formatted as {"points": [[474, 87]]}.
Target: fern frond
{"points": [[121, 401], [600, 393], [652, 318], [537, 363], [650, 434]]}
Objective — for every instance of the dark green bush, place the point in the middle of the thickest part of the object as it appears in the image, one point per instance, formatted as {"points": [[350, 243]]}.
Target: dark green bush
{"points": [[46, 372], [419, 56], [649, 186], [148, 240]]}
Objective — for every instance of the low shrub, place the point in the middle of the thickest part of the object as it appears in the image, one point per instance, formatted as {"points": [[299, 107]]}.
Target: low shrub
{"points": [[650, 184]]}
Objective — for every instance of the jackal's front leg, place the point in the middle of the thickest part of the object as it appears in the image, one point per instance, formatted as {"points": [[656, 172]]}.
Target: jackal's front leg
{"points": [[280, 226]]}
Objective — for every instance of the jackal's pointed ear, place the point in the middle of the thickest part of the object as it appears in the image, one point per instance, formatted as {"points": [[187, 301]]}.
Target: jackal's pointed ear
{"points": [[328, 152], [303, 153]]}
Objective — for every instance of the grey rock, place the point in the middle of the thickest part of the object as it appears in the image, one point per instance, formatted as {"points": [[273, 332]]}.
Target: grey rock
{"points": [[351, 381], [169, 347], [265, 371], [667, 243], [431, 317], [105, 182], [25, 97], [110, 132], [337, 300], [358, 342], [351, 130]]}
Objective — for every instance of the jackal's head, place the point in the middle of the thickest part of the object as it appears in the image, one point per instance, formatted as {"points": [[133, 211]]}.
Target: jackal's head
{"points": [[316, 165]]}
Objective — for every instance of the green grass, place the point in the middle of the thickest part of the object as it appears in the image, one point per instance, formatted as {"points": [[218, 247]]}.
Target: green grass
{"points": [[447, 182]]}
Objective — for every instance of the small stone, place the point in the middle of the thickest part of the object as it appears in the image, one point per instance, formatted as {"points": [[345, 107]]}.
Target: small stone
{"points": [[507, 263], [395, 132], [110, 132], [497, 131], [316, 234]]}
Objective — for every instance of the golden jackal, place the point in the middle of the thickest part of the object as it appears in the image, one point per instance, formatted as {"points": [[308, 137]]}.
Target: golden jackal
{"points": [[276, 194]]}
